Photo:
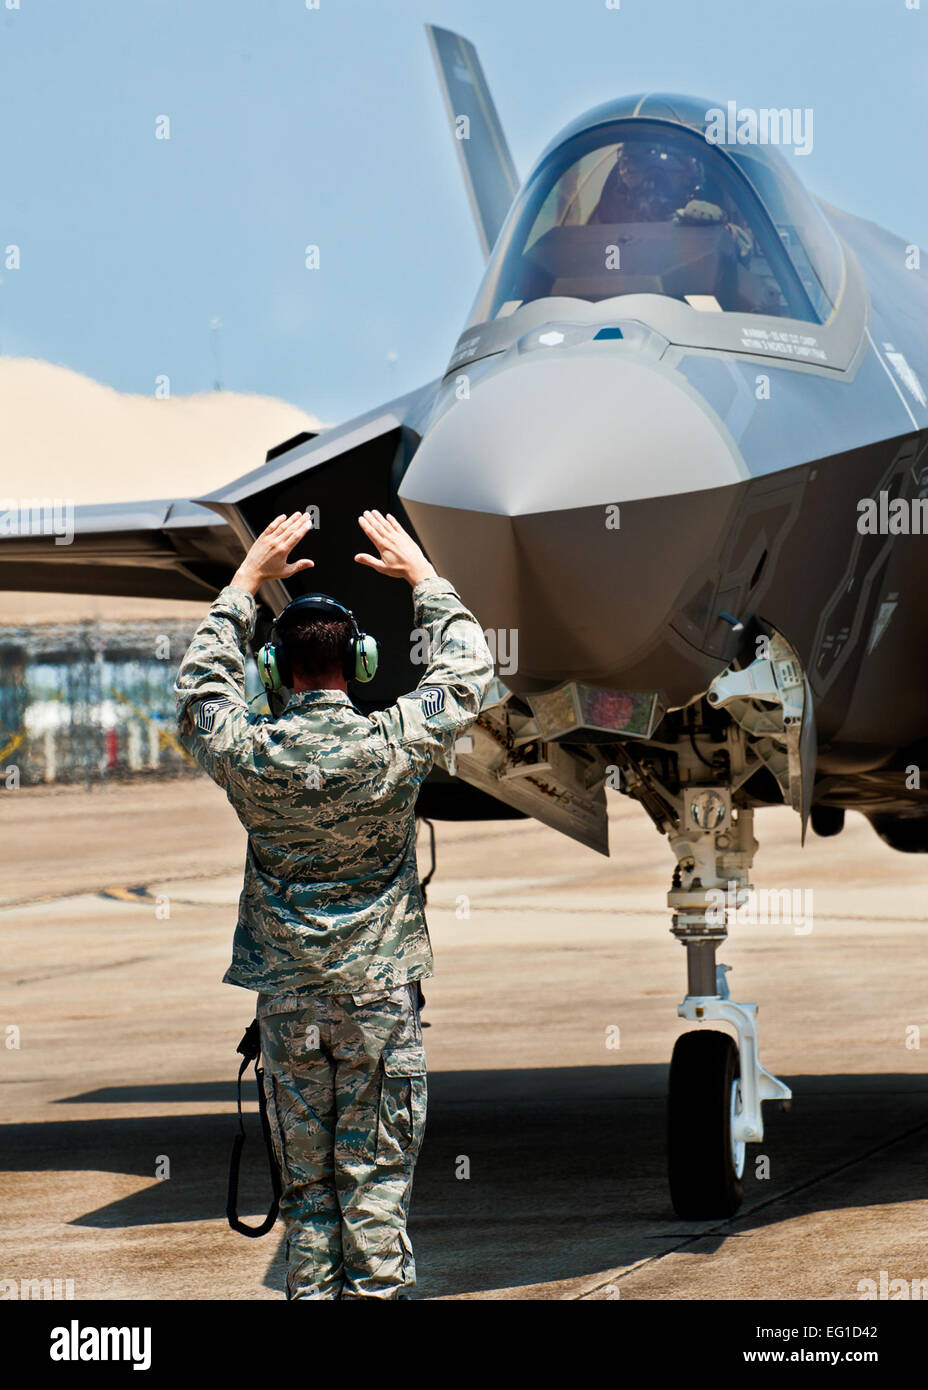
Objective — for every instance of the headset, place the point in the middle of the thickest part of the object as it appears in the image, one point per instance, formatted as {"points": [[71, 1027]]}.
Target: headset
{"points": [[360, 663]]}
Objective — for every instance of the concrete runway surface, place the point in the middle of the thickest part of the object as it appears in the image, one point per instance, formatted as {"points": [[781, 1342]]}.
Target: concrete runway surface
{"points": [[127, 1059]]}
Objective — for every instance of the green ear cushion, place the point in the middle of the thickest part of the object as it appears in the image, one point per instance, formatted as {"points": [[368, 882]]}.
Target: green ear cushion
{"points": [[365, 658], [267, 667]]}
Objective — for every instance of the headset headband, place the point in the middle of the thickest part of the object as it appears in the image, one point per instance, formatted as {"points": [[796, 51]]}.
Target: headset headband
{"points": [[360, 660], [317, 603]]}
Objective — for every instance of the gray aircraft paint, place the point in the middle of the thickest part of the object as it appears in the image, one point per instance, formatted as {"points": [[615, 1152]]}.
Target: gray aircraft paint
{"points": [[563, 429]]}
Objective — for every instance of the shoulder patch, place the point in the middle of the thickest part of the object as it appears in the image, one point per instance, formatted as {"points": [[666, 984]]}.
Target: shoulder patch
{"points": [[207, 713], [432, 697]]}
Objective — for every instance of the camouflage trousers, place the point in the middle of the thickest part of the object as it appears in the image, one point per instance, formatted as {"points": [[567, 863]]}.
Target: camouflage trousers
{"points": [[345, 1081]]}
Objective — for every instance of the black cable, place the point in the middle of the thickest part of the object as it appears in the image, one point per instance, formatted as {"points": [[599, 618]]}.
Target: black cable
{"points": [[697, 752]]}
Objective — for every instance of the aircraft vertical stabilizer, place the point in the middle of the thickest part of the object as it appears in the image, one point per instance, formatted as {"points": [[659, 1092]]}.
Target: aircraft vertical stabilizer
{"points": [[489, 173]]}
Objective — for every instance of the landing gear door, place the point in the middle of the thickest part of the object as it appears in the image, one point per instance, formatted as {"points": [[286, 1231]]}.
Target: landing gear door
{"points": [[771, 699]]}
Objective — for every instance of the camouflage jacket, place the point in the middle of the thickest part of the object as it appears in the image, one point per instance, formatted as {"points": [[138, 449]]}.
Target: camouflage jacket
{"points": [[331, 900]]}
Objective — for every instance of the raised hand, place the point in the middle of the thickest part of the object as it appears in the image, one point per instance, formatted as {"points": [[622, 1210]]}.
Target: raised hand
{"points": [[267, 557], [398, 555]]}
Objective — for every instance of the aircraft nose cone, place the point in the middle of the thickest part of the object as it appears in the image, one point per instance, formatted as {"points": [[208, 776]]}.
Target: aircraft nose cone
{"points": [[572, 499], [555, 431]]}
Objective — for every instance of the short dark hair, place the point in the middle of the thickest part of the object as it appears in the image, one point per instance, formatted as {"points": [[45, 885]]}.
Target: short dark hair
{"points": [[316, 645]]}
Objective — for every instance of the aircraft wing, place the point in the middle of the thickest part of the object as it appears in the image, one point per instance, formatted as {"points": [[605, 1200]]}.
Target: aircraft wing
{"points": [[489, 172], [187, 548], [158, 549]]}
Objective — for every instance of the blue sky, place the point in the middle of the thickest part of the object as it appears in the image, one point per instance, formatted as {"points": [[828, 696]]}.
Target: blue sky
{"points": [[291, 126]]}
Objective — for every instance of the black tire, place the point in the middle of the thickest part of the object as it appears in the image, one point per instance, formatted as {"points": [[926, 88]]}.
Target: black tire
{"points": [[704, 1181], [827, 820]]}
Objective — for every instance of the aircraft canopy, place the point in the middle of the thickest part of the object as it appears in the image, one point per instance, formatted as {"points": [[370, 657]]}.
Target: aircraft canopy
{"points": [[649, 206]]}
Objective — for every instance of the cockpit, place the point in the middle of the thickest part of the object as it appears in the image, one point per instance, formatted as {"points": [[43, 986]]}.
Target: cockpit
{"points": [[640, 206]]}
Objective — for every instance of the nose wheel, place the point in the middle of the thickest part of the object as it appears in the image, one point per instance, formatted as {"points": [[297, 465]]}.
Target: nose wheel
{"points": [[705, 1159], [717, 1084]]}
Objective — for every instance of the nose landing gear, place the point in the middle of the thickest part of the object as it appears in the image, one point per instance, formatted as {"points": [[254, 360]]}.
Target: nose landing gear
{"points": [[705, 1161], [717, 1085]]}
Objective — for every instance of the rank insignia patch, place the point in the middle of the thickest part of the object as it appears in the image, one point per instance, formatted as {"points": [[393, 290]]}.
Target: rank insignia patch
{"points": [[207, 713], [433, 699]]}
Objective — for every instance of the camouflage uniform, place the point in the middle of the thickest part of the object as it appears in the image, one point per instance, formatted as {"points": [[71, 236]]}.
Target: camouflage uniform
{"points": [[331, 928], [346, 1089]]}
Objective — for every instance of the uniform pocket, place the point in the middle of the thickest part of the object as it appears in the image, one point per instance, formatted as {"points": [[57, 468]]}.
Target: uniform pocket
{"points": [[401, 1112]]}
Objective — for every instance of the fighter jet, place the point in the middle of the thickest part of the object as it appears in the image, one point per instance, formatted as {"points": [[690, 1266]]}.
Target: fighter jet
{"points": [[676, 465]]}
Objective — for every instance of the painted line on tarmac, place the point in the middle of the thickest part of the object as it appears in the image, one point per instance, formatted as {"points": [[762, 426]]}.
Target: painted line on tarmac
{"points": [[720, 1227], [138, 893]]}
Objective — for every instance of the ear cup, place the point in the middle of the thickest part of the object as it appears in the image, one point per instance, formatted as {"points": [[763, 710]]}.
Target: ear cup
{"points": [[366, 657], [273, 667], [267, 667]]}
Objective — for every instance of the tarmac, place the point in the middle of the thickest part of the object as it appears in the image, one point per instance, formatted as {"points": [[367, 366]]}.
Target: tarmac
{"points": [[118, 1101]]}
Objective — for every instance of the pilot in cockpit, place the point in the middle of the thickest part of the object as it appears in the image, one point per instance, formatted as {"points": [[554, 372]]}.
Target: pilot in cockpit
{"points": [[650, 184], [644, 185]]}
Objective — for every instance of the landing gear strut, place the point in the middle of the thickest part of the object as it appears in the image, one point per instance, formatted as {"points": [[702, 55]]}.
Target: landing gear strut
{"points": [[716, 1084]]}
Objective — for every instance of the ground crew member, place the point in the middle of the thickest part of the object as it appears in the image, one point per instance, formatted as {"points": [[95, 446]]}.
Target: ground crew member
{"points": [[331, 930]]}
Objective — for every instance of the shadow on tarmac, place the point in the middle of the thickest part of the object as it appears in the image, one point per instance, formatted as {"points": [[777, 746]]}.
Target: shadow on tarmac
{"points": [[566, 1166]]}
